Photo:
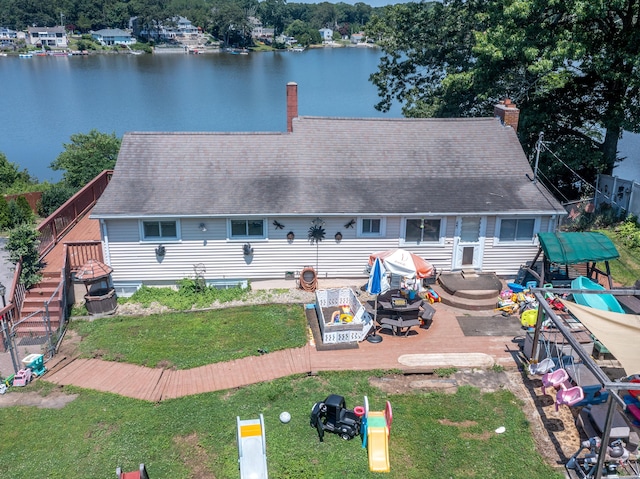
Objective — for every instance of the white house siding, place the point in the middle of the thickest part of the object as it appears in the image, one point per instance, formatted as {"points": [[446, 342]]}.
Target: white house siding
{"points": [[135, 261], [505, 260]]}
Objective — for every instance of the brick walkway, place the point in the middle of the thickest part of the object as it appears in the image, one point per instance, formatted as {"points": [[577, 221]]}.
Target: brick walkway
{"points": [[442, 345]]}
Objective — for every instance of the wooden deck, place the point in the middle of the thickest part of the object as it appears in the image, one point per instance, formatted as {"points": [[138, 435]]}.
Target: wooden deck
{"points": [[85, 230], [443, 338]]}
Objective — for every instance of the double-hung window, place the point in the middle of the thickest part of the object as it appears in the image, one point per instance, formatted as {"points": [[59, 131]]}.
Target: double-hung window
{"points": [[513, 230], [371, 227], [423, 230], [160, 230], [247, 228]]}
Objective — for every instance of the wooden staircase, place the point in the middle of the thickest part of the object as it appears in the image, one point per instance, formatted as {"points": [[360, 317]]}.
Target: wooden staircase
{"points": [[32, 322]]}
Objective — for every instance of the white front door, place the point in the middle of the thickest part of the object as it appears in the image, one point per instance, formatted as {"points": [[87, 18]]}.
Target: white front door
{"points": [[468, 242]]}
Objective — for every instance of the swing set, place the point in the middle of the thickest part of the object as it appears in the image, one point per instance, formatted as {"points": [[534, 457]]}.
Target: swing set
{"points": [[557, 377]]}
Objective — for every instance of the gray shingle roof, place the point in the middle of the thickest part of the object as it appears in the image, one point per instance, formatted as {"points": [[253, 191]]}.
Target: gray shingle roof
{"points": [[327, 166]]}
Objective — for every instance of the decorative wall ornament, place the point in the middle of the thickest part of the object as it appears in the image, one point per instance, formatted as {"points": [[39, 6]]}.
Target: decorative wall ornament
{"points": [[278, 225], [291, 236], [160, 251], [350, 223], [338, 236], [316, 234], [247, 250]]}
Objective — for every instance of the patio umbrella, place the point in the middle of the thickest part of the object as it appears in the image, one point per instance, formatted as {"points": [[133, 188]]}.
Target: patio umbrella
{"points": [[404, 263], [378, 283]]}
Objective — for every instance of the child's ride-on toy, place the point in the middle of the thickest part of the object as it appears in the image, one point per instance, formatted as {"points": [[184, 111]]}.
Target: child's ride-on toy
{"points": [[333, 416], [22, 377]]}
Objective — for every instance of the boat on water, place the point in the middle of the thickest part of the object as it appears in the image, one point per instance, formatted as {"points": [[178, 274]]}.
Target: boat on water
{"points": [[604, 302], [25, 55]]}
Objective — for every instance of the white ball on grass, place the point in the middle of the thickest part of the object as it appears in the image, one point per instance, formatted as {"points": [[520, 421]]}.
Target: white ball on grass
{"points": [[285, 417]]}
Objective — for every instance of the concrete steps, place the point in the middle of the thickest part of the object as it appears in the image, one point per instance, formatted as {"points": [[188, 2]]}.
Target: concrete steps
{"points": [[471, 300]]}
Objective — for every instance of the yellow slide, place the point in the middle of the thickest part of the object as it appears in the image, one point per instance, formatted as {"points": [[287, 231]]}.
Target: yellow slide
{"points": [[378, 442]]}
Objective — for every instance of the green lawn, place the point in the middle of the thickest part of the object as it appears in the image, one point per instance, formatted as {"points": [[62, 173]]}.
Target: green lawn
{"points": [[433, 434], [626, 269], [188, 340]]}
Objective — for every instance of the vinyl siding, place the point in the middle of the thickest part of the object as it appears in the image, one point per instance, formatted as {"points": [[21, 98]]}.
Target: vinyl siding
{"points": [[133, 260], [505, 260]]}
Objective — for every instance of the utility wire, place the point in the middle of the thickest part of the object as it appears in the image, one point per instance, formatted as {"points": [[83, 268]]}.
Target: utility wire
{"points": [[585, 182], [548, 183], [567, 166]]}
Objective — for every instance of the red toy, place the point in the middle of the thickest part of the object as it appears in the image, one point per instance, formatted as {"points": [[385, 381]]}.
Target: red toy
{"points": [[433, 297], [141, 473], [555, 303]]}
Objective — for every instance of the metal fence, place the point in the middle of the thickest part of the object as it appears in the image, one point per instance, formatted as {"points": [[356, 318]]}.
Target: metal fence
{"points": [[622, 195]]}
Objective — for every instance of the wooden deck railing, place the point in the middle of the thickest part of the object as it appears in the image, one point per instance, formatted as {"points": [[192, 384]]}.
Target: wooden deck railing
{"points": [[52, 229], [79, 252], [50, 232]]}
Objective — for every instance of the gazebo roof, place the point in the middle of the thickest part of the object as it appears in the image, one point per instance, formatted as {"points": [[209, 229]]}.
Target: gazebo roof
{"points": [[93, 270]]}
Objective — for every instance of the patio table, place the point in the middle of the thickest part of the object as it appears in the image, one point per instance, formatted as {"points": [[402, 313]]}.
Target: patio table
{"points": [[400, 314], [397, 306]]}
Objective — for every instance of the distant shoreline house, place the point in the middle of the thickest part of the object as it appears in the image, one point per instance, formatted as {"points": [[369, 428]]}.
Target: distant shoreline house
{"points": [[457, 192], [178, 29], [358, 37], [52, 37], [8, 36], [326, 34], [113, 36], [259, 31]]}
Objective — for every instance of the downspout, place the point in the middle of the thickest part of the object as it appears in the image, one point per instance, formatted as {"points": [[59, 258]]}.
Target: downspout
{"points": [[105, 242]]}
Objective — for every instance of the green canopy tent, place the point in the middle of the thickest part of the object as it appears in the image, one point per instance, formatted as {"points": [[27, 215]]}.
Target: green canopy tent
{"points": [[564, 249]]}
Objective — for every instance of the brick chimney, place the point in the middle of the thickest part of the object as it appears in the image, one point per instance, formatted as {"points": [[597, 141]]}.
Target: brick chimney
{"points": [[292, 104], [508, 113]]}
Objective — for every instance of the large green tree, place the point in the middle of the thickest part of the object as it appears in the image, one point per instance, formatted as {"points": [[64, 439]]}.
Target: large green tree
{"points": [[272, 13], [11, 177], [229, 22], [571, 67], [87, 156]]}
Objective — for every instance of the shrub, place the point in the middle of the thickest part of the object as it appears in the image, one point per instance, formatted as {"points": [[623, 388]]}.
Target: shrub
{"points": [[4, 213], [23, 243], [53, 198], [18, 214], [24, 206], [628, 232]]}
